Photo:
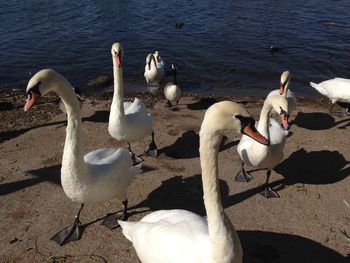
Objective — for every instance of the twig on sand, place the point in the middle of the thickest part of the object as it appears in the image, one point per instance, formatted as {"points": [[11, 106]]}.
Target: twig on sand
{"points": [[64, 258]]}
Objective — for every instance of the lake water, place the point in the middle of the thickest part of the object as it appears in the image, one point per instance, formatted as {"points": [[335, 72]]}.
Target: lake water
{"points": [[223, 47]]}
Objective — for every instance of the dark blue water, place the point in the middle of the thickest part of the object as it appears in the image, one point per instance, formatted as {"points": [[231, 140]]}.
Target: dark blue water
{"points": [[223, 47]]}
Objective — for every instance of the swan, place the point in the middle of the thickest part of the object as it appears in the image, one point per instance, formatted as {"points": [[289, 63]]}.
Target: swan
{"points": [[100, 175], [337, 90], [261, 156], [169, 236], [172, 90], [128, 122], [159, 60], [154, 72], [285, 91]]}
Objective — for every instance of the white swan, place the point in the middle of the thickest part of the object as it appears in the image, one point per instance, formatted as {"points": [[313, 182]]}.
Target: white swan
{"points": [[159, 60], [172, 90], [100, 175], [285, 91], [182, 236], [337, 90], [261, 156], [154, 72], [128, 122]]}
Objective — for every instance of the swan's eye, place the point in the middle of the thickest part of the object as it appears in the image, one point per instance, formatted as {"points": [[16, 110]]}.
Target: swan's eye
{"points": [[284, 112]]}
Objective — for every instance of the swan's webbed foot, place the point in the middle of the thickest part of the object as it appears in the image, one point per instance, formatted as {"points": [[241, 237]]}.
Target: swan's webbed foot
{"points": [[243, 176], [167, 104], [175, 109], [70, 233], [152, 148], [111, 220], [268, 192]]}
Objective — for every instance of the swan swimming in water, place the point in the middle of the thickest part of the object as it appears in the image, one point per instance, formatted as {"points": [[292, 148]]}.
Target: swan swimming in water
{"points": [[98, 176]]}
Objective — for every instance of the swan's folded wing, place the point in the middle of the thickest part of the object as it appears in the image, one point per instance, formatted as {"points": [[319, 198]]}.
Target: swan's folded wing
{"points": [[136, 106], [105, 161]]}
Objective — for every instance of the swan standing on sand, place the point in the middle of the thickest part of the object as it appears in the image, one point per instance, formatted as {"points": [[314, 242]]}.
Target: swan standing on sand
{"points": [[154, 72], [128, 122], [285, 91], [172, 90], [169, 236], [100, 175], [337, 90], [261, 156]]}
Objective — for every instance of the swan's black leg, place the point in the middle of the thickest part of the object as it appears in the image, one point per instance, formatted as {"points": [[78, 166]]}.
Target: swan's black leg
{"points": [[133, 158], [152, 148], [177, 107], [167, 104], [70, 233], [268, 192], [111, 220], [243, 176]]}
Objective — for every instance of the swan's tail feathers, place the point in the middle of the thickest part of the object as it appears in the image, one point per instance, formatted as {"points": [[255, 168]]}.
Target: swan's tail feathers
{"points": [[314, 85], [317, 87], [126, 228]]}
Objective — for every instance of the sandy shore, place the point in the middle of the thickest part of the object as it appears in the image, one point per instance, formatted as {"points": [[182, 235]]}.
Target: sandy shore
{"points": [[304, 225]]}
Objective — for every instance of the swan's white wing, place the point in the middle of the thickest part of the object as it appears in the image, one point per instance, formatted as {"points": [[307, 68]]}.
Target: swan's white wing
{"points": [[126, 105], [277, 133], [111, 172], [136, 106], [335, 89], [169, 236], [103, 162]]}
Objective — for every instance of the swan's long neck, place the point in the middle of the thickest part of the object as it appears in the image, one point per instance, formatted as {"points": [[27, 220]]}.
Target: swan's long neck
{"points": [[286, 89], [73, 157], [263, 125], [218, 225], [175, 77], [117, 108]]}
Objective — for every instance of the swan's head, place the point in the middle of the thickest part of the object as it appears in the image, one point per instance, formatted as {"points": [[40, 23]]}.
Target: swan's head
{"points": [[40, 84], [174, 67], [280, 105], [156, 54], [285, 78], [228, 115], [117, 53]]}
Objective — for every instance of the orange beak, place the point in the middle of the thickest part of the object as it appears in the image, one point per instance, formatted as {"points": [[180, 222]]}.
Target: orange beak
{"points": [[250, 131], [118, 60], [32, 98], [281, 89], [284, 121]]}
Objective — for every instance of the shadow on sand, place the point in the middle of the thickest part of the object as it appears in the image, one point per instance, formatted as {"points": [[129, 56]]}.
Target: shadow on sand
{"points": [[98, 116], [187, 146], [269, 247], [315, 167], [318, 121]]}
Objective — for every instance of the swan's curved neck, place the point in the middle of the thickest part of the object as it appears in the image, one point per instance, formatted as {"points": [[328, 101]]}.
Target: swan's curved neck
{"points": [[263, 125], [286, 89], [117, 108], [175, 76], [73, 149], [218, 225]]}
